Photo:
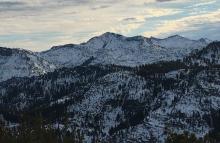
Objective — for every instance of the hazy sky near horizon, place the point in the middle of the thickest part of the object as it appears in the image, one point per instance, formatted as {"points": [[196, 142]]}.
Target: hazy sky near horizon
{"points": [[39, 24]]}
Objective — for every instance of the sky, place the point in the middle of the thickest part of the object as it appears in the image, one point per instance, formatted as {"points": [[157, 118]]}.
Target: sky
{"points": [[38, 25]]}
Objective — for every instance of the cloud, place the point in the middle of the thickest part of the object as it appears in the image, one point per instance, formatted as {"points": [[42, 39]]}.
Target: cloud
{"points": [[129, 19], [39, 24], [100, 7], [190, 23], [203, 3], [12, 5]]}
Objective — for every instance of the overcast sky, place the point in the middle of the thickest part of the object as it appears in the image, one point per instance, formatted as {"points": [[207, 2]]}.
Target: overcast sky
{"points": [[39, 24]]}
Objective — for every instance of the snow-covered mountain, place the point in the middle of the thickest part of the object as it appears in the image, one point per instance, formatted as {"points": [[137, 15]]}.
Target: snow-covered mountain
{"points": [[108, 48], [111, 48], [21, 63], [118, 104], [206, 56], [98, 88]]}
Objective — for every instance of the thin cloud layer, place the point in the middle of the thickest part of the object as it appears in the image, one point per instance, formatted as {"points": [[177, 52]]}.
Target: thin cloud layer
{"points": [[38, 25]]}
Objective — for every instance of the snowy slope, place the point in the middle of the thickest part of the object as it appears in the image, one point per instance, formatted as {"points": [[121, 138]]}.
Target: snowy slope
{"points": [[111, 48], [177, 41], [115, 104], [209, 55], [20, 63]]}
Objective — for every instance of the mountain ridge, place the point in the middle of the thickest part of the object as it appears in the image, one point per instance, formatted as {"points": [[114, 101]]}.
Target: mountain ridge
{"points": [[112, 34], [111, 48], [108, 48]]}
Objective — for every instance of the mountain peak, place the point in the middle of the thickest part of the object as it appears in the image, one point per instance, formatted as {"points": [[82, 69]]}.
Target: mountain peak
{"points": [[206, 40], [136, 38], [105, 37], [61, 46], [176, 36], [110, 34]]}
